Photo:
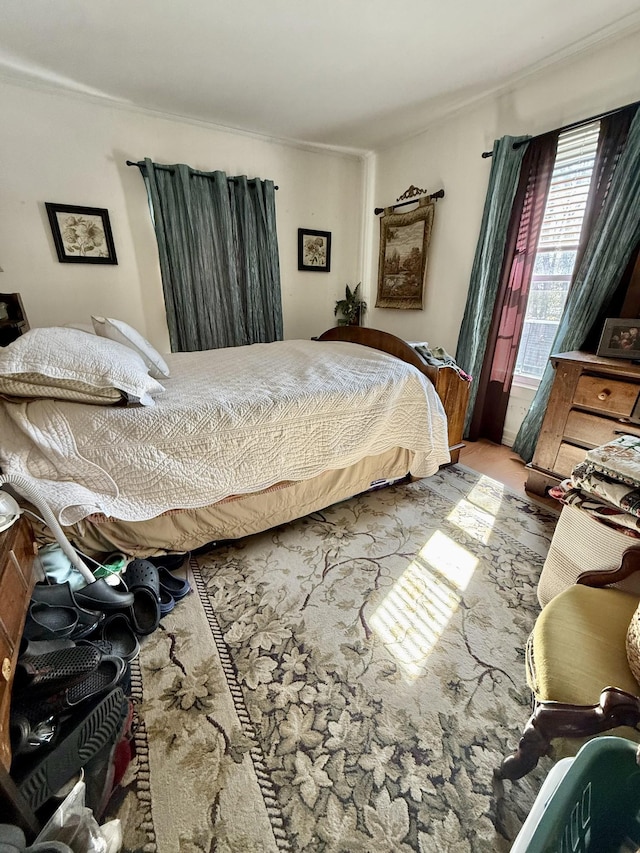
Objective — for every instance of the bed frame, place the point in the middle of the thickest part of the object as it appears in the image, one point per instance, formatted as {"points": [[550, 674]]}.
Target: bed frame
{"points": [[452, 389], [185, 530]]}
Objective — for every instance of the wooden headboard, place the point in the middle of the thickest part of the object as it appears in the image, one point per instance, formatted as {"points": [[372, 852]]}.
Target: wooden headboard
{"points": [[452, 389]]}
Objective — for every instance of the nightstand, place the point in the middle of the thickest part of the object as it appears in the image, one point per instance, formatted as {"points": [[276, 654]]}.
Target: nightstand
{"points": [[13, 320]]}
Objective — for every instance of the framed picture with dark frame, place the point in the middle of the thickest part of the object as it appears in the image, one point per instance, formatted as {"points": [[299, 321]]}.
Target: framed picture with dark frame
{"points": [[81, 235], [620, 338], [314, 250]]}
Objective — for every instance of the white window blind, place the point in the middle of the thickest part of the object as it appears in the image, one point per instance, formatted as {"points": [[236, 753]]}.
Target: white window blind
{"points": [[569, 188], [557, 248]]}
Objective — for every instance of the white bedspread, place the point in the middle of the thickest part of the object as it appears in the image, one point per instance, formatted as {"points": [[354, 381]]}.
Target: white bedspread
{"points": [[231, 421]]}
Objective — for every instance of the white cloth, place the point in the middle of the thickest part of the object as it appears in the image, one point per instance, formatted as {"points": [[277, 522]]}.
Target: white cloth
{"points": [[231, 421]]}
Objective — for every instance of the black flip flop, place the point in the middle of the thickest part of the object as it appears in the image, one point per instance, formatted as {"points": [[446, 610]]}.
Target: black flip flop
{"points": [[141, 577]]}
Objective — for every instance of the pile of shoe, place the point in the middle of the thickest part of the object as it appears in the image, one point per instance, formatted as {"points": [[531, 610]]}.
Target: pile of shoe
{"points": [[137, 601], [70, 708]]}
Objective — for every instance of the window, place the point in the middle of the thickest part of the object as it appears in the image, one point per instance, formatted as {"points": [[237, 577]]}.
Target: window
{"points": [[557, 249]]}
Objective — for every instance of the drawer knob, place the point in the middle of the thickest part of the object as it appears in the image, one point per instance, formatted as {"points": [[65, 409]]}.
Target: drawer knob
{"points": [[6, 669], [604, 394]]}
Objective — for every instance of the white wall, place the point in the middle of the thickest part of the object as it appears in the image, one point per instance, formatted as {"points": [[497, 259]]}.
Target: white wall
{"points": [[69, 149], [448, 156], [72, 150]]}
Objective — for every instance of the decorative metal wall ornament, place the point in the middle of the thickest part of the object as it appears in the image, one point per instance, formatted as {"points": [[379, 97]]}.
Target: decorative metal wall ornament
{"points": [[402, 264], [411, 192]]}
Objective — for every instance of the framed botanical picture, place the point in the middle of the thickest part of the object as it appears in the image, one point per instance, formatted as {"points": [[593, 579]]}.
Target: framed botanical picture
{"points": [[402, 263], [620, 339], [81, 235], [314, 250]]}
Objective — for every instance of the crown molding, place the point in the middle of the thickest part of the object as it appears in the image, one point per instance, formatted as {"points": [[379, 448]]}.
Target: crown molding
{"points": [[49, 88], [608, 35]]}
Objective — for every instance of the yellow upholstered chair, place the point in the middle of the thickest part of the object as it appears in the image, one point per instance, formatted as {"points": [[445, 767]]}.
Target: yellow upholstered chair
{"points": [[577, 667]]}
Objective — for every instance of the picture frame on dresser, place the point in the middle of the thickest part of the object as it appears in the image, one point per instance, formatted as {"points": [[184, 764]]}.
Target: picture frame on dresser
{"points": [[620, 338]]}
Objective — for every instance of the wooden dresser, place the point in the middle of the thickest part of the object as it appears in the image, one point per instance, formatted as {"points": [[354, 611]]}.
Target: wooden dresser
{"points": [[592, 401], [17, 577]]}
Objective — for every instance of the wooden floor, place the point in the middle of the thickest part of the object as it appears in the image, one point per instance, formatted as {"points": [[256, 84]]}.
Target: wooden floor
{"points": [[501, 463]]}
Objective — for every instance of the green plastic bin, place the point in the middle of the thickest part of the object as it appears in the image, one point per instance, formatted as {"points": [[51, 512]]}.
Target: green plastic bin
{"points": [[589, 804]]}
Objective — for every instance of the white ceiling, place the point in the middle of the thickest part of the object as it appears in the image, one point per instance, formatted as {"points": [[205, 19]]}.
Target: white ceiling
{"points": [[347, 73]]}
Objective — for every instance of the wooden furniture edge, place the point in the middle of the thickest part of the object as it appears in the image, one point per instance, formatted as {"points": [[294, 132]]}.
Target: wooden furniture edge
{"points": [[13, 804], [452, 389], [629, 565]]}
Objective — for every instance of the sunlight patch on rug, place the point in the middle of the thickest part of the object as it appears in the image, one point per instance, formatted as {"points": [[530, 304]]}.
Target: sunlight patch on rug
{"points": [[476, 513], [413, 616]]}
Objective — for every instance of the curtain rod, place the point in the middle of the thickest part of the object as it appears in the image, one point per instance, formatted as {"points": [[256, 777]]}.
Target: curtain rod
{"points": [[439, 194], [141, 165], [516, 145]]}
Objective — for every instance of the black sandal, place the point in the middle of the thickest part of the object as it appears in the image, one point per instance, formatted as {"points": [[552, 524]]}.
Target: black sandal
{"points": [[46, 674], [118, 634], [49, 622], [106, 676], [141, 577]]}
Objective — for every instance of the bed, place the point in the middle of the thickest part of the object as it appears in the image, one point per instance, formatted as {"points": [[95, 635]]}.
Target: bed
{"points": [[240, 440]]}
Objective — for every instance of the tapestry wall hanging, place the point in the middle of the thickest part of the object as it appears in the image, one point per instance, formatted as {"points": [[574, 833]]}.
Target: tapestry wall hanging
{"points": [[404, 246]]}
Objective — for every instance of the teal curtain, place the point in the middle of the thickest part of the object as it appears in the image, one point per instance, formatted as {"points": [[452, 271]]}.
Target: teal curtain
{"points": [[614, 237], [487, 265], [218, 253]]}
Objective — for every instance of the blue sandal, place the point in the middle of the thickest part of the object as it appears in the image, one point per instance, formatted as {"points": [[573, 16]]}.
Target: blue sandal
{"points": [[176, 587]]}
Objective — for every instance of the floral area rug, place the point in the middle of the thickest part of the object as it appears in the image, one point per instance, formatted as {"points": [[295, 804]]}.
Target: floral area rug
{"points": [[347, 682]]}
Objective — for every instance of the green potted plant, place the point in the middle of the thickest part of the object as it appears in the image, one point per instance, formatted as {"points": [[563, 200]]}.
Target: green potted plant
{"points": [[351, 308]]}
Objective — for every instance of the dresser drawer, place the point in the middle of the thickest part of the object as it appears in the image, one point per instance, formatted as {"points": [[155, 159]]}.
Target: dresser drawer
{"points": [[593, 430], [567, 459], [606, 395]]}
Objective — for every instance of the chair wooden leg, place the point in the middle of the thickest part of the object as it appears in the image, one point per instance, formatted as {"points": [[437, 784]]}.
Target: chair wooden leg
{"points": [[553, 720], [532, 746]]}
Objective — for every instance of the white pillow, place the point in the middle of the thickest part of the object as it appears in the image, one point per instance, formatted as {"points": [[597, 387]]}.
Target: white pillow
{"points": [[34, 385], [123, 333], [58, 356]]}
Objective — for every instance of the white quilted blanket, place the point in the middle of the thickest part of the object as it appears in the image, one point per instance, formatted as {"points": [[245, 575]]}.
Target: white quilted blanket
{"points": [[230, 421]]}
